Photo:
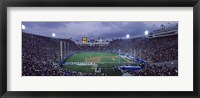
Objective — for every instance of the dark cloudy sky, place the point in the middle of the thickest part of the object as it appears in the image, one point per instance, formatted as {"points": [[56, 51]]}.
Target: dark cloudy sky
{"points": [[107, 30]]}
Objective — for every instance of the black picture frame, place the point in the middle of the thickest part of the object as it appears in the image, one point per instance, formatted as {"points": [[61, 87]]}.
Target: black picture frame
{"points": [[98, 3]]}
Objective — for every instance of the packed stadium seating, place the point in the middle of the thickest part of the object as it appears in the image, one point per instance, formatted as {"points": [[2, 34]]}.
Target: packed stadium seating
{"points": [[41, 55], [156, 71], [91, 48], [154, 50]]}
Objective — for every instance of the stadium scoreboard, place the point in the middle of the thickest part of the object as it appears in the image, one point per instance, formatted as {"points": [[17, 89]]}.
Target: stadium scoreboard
{"points": [[84, 39]]}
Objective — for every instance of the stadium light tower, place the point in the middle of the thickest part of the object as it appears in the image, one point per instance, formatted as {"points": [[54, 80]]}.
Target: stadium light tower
{"points": [[146, 32], [23, 27], [127, 36], [53, 34]]}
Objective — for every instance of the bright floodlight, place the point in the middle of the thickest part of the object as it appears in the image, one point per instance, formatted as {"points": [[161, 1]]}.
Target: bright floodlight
{"points": [[53, 34], [23, 27], [127, 36], [146, 32]]}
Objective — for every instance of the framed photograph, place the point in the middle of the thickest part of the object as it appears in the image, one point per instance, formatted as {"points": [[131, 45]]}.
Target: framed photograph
{"points": [[85, 48]]}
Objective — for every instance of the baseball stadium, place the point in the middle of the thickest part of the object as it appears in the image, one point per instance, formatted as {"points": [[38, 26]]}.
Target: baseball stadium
{"points": [[152, 52]]}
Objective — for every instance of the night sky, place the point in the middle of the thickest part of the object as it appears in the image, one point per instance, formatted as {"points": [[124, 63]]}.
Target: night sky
{"points": [[107, 30]]}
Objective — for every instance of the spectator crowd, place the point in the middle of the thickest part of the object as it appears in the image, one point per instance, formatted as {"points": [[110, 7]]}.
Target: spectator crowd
{"points": [[153, 50], [41, 55]]}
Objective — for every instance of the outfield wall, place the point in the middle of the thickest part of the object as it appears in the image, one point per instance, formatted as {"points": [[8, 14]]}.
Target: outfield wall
{"points": [[80, 63]]}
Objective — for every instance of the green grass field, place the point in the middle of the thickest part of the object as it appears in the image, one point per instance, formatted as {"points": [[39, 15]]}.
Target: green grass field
{"points": [[103, 60], [98, 57]]}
